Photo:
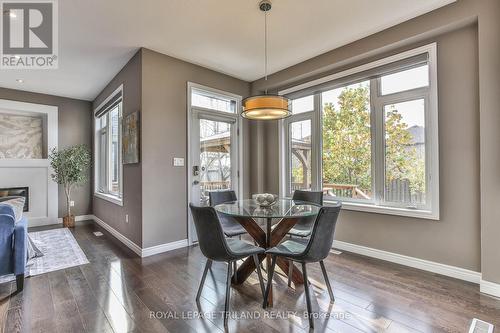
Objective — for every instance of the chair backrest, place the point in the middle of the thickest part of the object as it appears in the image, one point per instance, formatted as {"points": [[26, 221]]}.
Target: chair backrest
{"points": [[219, 197], [210, 235], [309, 196], [321, 240]]}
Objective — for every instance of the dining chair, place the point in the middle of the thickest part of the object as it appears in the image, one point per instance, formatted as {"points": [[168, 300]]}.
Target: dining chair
{"points": [[311, 250], [230, 226], [304, 225], [216, 247]]}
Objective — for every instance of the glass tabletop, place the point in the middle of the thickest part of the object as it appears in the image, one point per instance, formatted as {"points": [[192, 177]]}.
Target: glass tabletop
{"points": [[282, 208]]}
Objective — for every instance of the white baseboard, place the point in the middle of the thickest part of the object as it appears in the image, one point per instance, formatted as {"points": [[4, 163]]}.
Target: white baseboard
{"points": [[79, 218], [149, 251], [127, 242], [426, 265], [146, 252], [489, 288]]}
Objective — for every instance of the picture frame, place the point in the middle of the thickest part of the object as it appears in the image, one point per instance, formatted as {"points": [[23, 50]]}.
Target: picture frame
{"points": [[131, 138]]}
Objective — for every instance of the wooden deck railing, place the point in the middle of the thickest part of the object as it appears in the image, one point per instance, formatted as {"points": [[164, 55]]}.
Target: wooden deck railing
{"points": [[396, 191], [338, 190], [214, 186]]}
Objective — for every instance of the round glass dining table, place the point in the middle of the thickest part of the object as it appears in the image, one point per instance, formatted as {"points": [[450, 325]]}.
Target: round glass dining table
{"points": [[282, 208], [258, 222]]}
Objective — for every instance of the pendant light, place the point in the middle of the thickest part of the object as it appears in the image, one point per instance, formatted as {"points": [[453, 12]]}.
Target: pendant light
{"points": [[267, 106]]}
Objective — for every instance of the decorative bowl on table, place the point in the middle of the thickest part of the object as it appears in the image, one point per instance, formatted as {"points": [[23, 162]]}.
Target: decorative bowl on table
{"points": [[265, 199]]}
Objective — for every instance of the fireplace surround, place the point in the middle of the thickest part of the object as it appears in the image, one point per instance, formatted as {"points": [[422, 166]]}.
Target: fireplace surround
{"points": [[34, 173]]}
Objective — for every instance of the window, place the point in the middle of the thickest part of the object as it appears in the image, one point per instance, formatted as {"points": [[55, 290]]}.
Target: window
{"points": [[209, 100], [300, 154], [346, 135], [303, 104], [108, 155], [368, 137]]}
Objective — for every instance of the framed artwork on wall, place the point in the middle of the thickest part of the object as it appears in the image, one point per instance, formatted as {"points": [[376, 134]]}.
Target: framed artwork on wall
{"points": [[130, 138]]}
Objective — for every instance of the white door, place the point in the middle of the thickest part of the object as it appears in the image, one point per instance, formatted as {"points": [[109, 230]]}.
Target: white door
{"points": [[214, 162]]}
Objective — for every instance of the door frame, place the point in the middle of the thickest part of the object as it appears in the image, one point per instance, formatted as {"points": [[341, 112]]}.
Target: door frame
{"points": [[239, 138]]}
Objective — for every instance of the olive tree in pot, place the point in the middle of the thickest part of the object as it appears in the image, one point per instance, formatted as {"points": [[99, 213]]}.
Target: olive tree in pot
{"points": [[71, 169]]}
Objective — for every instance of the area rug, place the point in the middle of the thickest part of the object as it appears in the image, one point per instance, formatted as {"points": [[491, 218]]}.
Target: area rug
{"points": [[60, 250]]}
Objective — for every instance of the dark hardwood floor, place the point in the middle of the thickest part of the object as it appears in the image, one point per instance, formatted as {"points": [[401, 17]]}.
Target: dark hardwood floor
{"points": [[119, 292]]}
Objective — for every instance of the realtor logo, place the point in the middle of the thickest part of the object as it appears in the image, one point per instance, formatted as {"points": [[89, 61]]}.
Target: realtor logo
{"points": [[29, 35]]}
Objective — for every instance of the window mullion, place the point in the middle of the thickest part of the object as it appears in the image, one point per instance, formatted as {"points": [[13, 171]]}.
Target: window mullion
{"points": [[108, 153], [316, 146], [378, 150]]}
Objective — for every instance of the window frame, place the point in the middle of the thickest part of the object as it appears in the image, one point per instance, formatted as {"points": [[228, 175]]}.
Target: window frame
{"points": [[100, 191], [377, 102]]}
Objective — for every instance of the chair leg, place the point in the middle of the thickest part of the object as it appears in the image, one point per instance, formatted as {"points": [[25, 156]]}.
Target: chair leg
{"points": [[235, 270], [270, 274], [228, 293], [327, 281], [205, 271], [259, 273], [308, 295], [20, 282], [290, 270]]}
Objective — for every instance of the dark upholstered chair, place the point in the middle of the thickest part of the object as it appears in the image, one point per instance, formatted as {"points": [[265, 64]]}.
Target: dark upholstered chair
{"points": [[216, 247], [304, 225], [230, 227], [314, 249]]}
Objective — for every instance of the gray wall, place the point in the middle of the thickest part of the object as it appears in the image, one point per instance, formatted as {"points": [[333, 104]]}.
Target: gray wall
{"points": [[468, 44], [110, 213], [164, 135], [74, 128]]}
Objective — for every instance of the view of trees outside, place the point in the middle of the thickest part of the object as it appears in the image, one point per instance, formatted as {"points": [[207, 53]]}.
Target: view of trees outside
{"points": [[405, 151], [347, 138], [301, 154], [215, 157], [346, 151]]}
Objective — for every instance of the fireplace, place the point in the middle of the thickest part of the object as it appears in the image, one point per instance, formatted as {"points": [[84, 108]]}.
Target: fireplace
{"points": [[17, 192], [24, 164]]}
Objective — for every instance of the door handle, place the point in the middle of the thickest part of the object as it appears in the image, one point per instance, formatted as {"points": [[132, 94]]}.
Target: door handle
{"points": [[196, 182]]}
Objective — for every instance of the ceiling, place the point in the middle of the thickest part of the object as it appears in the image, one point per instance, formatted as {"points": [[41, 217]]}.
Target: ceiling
{"points": [[97, 37]]}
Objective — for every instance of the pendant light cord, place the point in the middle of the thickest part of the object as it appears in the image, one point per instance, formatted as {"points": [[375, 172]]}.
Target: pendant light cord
{"points": [[265, 48]]}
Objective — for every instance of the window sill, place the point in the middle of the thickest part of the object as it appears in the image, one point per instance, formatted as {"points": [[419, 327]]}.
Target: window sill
{"points": [[108, 197], [363, 207]]}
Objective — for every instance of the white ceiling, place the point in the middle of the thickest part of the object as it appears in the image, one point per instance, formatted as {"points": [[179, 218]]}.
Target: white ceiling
{"points": [[97, 37]]}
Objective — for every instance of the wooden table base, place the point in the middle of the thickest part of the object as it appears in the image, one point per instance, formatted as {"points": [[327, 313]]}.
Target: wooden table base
{"points": [[262, 239]]}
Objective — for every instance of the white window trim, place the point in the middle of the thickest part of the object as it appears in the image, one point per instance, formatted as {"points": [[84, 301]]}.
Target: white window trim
{"points": [[217, 115], [116, 199], [431, 212]]}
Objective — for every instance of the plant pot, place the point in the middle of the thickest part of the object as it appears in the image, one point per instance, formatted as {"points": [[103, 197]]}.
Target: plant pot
{"points": [[69, 221]]}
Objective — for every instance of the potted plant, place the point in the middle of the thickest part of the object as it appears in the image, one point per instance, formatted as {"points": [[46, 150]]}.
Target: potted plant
{"points": [[70, 167]]}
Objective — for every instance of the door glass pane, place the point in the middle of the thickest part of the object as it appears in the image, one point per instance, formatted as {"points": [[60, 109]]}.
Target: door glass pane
{"points": [[114, 126], [346, 154], [300, 164], [405, 152], [303, 104], [211, 101], [215, 157], [405, 80]]}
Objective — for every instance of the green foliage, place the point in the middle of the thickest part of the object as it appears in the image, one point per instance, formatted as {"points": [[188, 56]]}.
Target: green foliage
{"points": [[347, 144], [70, 166]]}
